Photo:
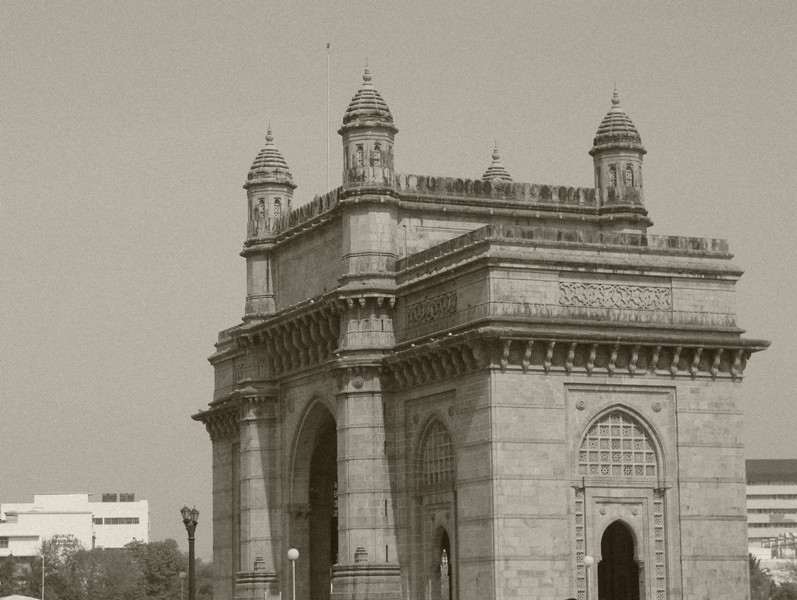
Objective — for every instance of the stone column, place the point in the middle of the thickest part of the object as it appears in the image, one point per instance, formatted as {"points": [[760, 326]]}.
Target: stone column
{"points": [[261, 530], [368, 562]]}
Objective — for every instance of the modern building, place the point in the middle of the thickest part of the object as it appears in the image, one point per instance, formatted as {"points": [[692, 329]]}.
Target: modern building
{"points": [[772, 509], [110, 523], [471, 388]]}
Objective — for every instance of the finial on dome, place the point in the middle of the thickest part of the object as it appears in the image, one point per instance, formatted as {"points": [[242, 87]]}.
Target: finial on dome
{"points": [[496, 155], [269, 135], [615, 96], [367, 74]]}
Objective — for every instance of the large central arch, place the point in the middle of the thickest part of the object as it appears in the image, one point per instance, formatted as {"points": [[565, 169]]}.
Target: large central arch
{"points": [[314, 529]]}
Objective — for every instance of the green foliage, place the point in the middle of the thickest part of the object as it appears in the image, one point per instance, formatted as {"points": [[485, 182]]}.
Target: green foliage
{"points": [[760, 580], [785, 591], [138, 571]]}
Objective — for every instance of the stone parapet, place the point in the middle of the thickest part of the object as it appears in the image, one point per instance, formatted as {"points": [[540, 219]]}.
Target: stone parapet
{"points": [[590, 240]]}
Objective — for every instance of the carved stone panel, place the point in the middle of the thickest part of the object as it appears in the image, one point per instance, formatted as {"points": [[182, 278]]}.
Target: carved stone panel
{"points": [[602, 295]]}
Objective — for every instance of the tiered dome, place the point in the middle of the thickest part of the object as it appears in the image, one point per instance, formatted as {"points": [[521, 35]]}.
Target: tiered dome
{"points": [[269, 166], [496, 173], [367, 107], [617, 129]]}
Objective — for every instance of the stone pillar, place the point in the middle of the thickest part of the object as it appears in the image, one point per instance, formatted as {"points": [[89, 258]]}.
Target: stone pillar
{"points": [[261, 526], [368, 562]]}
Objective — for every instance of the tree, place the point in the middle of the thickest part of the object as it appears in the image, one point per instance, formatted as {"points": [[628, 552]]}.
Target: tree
{"points": [[760, 579], [8, 573], [103, 574], [160, 564], [204, 580]]}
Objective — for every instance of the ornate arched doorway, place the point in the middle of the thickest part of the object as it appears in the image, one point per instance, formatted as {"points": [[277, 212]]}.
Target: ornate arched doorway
{"points": [[618, 572]]}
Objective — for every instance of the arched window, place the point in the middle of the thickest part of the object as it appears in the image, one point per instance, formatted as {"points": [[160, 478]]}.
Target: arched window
{"points": [[358, 159], [629, 175], [437, 457], [277, 209], [612, 175], [377, 156], [617, 446]]}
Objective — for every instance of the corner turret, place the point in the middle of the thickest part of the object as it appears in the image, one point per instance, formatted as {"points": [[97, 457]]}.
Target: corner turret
{"points": [[269, 188], [368, 133], [617, 155]]}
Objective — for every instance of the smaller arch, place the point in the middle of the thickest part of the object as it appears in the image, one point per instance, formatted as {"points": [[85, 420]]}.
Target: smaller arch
{"points": [[612, 176], [629, 175]]}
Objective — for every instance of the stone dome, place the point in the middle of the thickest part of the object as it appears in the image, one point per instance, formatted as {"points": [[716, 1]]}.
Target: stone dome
{"points": [[367, 107], [269, 166], [617, 130], [496, 173]]}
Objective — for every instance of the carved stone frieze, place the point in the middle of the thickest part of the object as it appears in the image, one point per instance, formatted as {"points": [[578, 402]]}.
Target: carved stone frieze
{"points": [[431, 309], [605, 295]]}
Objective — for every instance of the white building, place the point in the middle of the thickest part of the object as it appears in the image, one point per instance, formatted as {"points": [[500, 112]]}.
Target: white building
{"points": [[772, 512], [111, 522]]}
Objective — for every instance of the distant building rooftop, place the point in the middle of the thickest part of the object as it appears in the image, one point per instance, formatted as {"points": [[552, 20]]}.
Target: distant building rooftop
{"points": [[771, 470]]}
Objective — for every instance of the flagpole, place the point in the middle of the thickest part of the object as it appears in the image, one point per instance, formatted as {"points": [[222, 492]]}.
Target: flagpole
{"points": [[328, 116]]}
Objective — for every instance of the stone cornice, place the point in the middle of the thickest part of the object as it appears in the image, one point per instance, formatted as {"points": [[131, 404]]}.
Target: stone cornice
{"points": [[247, 403], [454, 355]]}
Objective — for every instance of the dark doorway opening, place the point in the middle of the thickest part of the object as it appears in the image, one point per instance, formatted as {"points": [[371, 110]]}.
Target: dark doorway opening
{"points": [[445, 570], [323, 511], [618, 573]]}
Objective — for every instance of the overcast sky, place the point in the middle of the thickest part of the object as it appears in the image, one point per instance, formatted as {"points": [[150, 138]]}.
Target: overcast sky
{"points": [[128, 129]]}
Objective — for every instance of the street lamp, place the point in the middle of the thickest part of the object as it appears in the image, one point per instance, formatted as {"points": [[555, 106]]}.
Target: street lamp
{"points": [[190, 518], [293, 554], [588, 562]]}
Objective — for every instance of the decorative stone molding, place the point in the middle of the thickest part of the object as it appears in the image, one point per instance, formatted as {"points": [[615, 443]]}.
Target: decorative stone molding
{"points": [[600, 295], [220, 424], [455, 356], [431, 309], [300, 341]]}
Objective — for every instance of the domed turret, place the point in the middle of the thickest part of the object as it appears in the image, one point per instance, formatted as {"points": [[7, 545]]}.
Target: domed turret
{"points": [[269, 166], [269, 187], [617, 155], [368, 132], [367, 108], [496, 174]]}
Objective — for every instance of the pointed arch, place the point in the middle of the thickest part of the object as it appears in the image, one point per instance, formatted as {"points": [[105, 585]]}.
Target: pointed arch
{"points": [[435, 455], [619, 444]]}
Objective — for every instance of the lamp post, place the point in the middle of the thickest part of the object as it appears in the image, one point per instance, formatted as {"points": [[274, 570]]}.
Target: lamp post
{"points": [[190, 518], [588, 562], [293, 554]]}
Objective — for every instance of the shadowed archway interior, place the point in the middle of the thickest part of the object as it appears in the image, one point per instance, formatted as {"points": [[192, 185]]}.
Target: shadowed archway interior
{"points": [[323, 511], [618, 573]]}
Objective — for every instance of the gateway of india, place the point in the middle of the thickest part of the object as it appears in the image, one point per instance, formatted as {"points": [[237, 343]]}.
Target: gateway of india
{"points": [[447, 388]]}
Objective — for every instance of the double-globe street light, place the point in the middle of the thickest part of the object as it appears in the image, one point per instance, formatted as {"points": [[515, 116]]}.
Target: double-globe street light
{"points": [[190, 518]]}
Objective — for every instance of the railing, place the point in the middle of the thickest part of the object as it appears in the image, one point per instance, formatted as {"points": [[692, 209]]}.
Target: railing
{"points": [[528, 193], [319, 205]]}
